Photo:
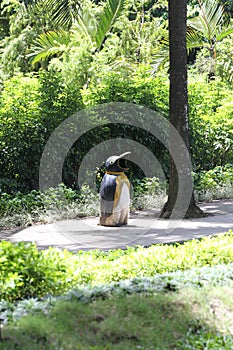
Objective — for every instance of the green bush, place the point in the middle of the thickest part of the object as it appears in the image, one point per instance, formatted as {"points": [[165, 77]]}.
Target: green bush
{"points": [[217, 182], [55, 203], [30, 109], [211, 123], [21, 133], [210, 112], [26, 272]]}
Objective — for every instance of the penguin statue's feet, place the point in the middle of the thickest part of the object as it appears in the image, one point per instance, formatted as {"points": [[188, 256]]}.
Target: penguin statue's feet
{"points": [[113, 220]]}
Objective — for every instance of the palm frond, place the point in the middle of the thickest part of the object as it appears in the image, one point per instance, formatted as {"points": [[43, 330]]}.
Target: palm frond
{"points": [[61, 12], [199, 24], [224, 33], [194, 39], [211, 16], [160, 59], [214, 14], [85, 26], [49, 44], [111, 12]]}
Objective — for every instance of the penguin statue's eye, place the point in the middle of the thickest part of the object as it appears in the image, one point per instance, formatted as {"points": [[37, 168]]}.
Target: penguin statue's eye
{"points": [[112, 162]]}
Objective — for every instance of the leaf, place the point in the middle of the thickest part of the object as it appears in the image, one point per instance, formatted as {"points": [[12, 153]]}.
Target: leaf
{"points": [[62, 12], [224, 33], [85, 26], [194, 39], [48, 44], [210, 19], [111, 12]]}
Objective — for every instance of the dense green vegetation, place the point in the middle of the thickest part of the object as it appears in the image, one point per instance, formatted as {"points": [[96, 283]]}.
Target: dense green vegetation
{"points": [[112, 297], [162, 321], [29, 113], [80, 61], [25, 272], [59, 57]]}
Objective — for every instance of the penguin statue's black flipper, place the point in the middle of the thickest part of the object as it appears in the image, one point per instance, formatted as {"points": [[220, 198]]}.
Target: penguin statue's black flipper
{"points": [[114, 193], [107, 192]]}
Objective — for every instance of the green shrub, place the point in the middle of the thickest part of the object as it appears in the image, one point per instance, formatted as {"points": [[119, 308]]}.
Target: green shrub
{"points": [[141, 88], [21, 133], [210, 113], [211, 123], [52, 205], [30, 109], [217, 182], [26, 272]]}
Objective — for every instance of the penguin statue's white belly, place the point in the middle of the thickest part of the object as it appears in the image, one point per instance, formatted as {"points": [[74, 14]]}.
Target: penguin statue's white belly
{"points": [[121, 205]]}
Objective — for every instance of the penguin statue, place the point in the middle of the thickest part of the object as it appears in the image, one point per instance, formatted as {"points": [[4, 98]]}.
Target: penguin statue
{"points": [[115, 193]]}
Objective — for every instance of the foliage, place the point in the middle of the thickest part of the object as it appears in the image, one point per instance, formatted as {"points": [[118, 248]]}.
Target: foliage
{"points": [[203, 337], [209, 105], [196, 278], [45, 207], [65, 203], [147, 185], [22, 133], [92, 25], [116, 323], [25, 272], [209, 27], [148, 193], [217, 182], [210, 114], [30, 109], [25, 24], [224, 62]]}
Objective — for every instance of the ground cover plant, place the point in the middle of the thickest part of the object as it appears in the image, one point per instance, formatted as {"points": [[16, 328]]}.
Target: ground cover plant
{"points": [[188, 318], [66, 203], [216, 183], [27, 272]]}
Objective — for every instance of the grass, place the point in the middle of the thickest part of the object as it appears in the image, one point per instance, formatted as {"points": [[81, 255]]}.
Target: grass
{"points": [[185, 319]]}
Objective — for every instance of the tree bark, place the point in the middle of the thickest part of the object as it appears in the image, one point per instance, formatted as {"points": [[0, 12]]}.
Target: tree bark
{"points": [[178, 104]]}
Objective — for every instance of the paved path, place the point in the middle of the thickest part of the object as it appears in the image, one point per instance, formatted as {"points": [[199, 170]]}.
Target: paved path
{"points": [[144, 228]]}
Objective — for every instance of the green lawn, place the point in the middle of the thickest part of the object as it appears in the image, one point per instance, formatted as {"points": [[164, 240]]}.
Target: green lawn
{"points": [[185, 319]]}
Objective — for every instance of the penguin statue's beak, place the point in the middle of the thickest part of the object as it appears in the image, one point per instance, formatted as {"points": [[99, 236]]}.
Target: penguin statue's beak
{"points": [[122, 165], [124, 154]]}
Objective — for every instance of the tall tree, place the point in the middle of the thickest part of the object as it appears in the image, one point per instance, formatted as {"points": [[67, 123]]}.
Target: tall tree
{"points": [[179, 113]]}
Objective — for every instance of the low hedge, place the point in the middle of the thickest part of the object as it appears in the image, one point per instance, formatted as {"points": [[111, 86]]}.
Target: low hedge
{"points": [[26, 272]]}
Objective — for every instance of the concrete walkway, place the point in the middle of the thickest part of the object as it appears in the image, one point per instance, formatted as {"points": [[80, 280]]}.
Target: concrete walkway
{"points": [[144, 228]]}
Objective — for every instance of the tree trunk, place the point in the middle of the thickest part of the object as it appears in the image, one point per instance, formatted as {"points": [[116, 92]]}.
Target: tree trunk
{"points": [[178, 104]]}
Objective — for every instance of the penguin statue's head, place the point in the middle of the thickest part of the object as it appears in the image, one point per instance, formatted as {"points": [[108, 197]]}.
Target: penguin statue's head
{"points": [[116, 163]]}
